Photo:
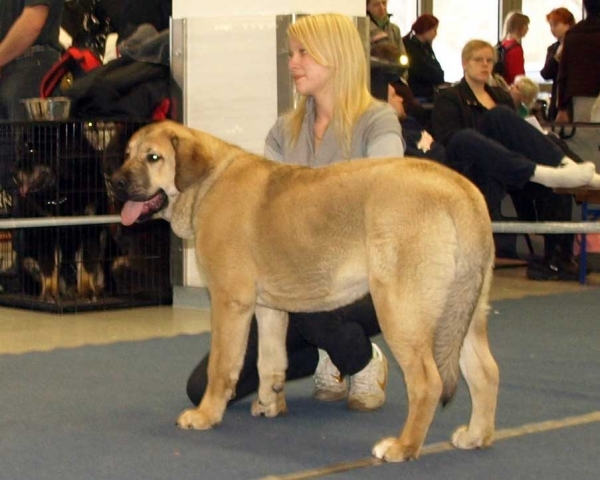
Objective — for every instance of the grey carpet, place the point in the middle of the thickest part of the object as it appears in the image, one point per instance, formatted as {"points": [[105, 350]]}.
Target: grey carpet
{"points": [[108, 412]]}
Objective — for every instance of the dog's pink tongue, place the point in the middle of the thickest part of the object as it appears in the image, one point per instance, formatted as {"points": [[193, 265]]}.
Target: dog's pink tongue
{"points": [[130, 212]]}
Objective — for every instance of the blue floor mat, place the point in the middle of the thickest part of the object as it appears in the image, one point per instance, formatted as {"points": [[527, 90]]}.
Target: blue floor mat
{"points": [[108, 412]]}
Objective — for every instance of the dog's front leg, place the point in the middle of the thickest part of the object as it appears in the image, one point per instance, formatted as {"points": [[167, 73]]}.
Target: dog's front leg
{"points": [[230, 326], [272, 362]]}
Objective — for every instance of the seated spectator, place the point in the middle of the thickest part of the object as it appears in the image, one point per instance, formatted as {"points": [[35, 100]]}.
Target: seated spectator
{"points": [[381, 29], [579, 69], [424, 71], [493, 172], [488, 115], [560, 21], [516, 26], [386, 69], [524, 92]]}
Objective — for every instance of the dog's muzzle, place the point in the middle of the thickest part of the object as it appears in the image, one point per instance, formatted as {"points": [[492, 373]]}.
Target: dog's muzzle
{"points": [[137, 207]]}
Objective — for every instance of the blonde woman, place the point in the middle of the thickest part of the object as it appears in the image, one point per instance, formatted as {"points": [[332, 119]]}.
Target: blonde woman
{"points": [[516, 26], [336, 117], [336, 120], [524, 92]]}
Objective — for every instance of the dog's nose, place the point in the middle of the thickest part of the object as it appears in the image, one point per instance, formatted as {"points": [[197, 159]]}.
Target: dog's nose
{"points": [[119, 182]]}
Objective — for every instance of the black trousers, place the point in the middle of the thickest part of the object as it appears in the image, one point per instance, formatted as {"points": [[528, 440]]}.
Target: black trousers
{"points": [[500, 157], [343, 333], [501, 154]]}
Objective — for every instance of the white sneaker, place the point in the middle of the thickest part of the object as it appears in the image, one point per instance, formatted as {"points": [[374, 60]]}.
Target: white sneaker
{"points": [[330, 386], [367, 387]]}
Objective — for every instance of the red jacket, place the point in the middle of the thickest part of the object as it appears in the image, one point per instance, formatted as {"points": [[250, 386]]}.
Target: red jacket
{"points": [[514, 63]]}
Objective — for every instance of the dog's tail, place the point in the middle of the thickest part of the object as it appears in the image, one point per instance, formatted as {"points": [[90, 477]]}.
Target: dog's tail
{"points": [[468, 302]]}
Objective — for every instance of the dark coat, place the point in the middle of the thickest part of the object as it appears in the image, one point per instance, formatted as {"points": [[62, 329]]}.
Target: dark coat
{"points": [[579, 70], [550, 72], [424, 70], [457, 108], [550, 69], [123, 89]]}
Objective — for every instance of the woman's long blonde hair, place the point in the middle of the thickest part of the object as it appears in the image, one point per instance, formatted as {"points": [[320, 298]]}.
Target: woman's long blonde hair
{"points": [[332, 40]]}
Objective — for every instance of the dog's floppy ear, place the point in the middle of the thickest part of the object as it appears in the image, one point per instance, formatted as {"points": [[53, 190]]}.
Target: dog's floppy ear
{"points": [[191, 162]]}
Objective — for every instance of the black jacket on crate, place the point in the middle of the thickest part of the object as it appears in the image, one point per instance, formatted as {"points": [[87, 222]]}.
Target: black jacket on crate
{"points": [[120, 90], [129, 88]]}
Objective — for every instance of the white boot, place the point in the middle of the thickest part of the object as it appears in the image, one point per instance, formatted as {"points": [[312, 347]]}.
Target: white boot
{"points": [[367, 387], [330, 386]]}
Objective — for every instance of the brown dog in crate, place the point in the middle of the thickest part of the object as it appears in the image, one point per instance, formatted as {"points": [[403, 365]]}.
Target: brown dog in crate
{"points": [[58, 173]]}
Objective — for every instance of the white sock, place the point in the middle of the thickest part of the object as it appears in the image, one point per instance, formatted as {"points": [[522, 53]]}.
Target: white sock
{"points": [[568, 175], [595, 181]]}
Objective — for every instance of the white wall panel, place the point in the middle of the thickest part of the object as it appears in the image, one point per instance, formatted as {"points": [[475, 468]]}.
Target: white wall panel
{"points": [[231, 91]]}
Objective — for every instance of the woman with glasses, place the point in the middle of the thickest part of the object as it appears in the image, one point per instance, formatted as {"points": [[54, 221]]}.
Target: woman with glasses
{"points": [[524, 160]]}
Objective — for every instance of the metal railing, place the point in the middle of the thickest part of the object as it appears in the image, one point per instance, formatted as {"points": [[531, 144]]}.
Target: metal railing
{"points": [[497, 227]]}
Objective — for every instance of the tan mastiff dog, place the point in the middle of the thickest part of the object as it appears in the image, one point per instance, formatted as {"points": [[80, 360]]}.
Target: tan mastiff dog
{"points": [[272, 238]]}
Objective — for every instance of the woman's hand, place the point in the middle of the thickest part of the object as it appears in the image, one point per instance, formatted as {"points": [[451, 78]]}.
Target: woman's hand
{"points": [[426, 141]]}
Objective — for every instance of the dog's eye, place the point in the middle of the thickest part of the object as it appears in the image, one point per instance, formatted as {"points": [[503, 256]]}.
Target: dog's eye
{"points": [[153, 157]]}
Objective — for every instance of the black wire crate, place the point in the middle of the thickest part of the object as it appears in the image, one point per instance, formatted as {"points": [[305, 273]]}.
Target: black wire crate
{"points": [[59, 169]]}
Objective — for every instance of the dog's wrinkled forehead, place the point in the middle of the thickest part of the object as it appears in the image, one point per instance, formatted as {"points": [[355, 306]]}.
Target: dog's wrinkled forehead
{"points": [[151, 141]]}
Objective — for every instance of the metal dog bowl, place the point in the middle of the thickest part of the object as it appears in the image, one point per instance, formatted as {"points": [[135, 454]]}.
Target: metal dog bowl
{"points": [[52, 108]]}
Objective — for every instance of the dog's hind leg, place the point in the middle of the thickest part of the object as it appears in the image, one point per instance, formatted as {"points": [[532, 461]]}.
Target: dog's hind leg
{"points": [[272, 362], [230, 325], [407, 319], [481, 373]]}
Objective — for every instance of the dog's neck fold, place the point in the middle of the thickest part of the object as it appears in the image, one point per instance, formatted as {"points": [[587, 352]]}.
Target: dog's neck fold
{"points": [[187, 203]]}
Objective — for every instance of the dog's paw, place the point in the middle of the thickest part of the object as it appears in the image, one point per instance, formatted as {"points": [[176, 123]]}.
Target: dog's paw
{"points": [[391, 450], [272, 409], [195, 419], [464, 439]]}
